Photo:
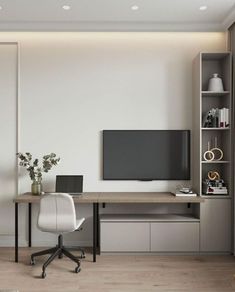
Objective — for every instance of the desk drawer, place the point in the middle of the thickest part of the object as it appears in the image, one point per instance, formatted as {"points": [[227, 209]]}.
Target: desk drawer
{"points": [[125, 236], [175, 236]]}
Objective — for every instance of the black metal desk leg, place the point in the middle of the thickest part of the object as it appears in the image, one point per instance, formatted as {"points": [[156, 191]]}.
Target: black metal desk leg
{"points": [[29, 227], [94, 230], [16, 232], [98, 229]]}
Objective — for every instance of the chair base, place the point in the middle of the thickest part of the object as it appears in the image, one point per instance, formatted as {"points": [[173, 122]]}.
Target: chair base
{"points": [[77, 248], [57, 251]]}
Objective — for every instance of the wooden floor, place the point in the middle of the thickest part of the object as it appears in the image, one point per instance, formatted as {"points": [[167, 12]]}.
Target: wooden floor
{"points": [[130, 273]]}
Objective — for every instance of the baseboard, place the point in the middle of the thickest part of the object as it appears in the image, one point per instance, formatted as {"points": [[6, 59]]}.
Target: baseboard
{"points": [[9, 241], [196, 253]]}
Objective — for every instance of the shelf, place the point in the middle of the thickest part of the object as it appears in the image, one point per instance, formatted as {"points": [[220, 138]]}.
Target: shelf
{"points": [[215, 162], [216, 196], [211, 129], [148, 218], [214, 93]]}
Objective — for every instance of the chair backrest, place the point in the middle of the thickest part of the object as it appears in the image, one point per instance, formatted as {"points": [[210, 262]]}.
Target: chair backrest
{"points": [[57, 213]]}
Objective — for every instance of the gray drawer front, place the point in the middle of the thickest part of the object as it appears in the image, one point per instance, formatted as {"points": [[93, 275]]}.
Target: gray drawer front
{"points": [[125, 237], [175, 237]]}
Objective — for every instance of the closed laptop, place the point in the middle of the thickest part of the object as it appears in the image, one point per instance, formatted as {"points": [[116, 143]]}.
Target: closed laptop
{"points": [[71, 184]]}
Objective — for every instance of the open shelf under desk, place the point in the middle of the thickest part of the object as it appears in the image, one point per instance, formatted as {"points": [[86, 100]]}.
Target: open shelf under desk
{"points": [[148, 218]]}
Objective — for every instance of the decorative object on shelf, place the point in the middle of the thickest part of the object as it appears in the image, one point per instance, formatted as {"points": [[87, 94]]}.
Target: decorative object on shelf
{"points": [[214, 187], [213, 154], [213, 175], [215, 83], [35, 171], [184, 190], [218, 153], [208, 155], [209, 119], [216, 118]]}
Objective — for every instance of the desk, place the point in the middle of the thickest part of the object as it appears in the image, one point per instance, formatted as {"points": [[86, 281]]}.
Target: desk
{"points": [[96, 198]]}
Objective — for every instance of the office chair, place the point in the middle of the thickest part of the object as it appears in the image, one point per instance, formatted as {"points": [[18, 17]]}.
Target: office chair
{"points": [[72, 184], [57, 215]]}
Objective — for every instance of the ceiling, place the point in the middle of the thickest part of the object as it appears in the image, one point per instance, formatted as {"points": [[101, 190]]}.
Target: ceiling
{"points": [[116, 15]]}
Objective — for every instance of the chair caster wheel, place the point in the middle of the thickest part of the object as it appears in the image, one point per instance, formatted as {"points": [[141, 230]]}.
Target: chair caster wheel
{"points": [[60, 256], [83, 256], [44, 275], [32, 262], [77, 269]]}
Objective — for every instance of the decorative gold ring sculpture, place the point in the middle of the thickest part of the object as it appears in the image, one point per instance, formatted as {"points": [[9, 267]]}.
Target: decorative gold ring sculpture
{"points": [[214, 153], [209, 155], [218, 153], [213, 175]]}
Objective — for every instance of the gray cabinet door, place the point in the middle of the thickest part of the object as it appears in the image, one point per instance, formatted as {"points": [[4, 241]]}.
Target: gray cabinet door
{"points": [[124, 237], [175, 237], [215, 229]]}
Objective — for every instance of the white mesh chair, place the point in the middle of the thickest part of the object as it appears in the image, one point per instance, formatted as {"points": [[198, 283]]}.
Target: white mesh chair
{"points": [[57, 215]]}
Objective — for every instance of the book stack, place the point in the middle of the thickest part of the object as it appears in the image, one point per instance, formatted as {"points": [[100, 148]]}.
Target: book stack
{"points": [[214, 187], [223, 117], [184, 192], [216, 118]]}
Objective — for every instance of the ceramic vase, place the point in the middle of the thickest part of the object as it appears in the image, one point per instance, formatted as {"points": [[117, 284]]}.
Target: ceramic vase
{"points": [[215, 83]]}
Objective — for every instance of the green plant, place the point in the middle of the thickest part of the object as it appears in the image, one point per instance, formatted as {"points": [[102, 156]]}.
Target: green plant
{"points": [[33, 167]]}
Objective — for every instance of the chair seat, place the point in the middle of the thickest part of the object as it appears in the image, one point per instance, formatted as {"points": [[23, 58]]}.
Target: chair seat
{"points": [[79, 222]]}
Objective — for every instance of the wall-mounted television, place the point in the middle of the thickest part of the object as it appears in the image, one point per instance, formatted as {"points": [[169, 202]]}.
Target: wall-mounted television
{"points": [[146, 155]]}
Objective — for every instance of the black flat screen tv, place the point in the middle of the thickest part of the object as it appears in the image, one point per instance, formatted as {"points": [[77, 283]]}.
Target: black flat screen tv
{"points": [[146, 155]]}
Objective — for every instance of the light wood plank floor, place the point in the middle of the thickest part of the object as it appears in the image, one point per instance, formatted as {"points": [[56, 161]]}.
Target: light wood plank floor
{"points": [[119, 273]]}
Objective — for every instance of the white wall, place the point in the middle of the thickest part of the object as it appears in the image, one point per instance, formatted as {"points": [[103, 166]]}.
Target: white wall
{"points": [[74, 85], [8, 131]]}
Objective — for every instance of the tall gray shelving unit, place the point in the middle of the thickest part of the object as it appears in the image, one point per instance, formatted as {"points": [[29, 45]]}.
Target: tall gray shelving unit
{"points": [[216, 212]]}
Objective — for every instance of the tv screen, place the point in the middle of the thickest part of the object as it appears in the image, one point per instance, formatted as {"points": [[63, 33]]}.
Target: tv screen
{"points": [[146, 154]]}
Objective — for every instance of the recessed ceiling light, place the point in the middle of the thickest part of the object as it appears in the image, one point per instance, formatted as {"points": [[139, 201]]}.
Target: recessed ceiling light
{"points": [[66, 7], [134, 7], [0, 7], [202, 8]]}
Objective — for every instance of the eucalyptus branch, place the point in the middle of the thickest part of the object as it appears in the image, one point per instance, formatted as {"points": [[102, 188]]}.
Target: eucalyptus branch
{"points": [[32, 166]]}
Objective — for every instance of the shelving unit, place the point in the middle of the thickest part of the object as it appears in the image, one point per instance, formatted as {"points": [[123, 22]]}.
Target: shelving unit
{"points": [[205, 65], [215, 213]]}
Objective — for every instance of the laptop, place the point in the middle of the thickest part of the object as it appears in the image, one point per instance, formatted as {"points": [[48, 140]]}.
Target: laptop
{"points": [[71, 184]]}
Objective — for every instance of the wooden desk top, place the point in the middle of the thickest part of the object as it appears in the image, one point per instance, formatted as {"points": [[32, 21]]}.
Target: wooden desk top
{"points": [[84, 198], [118, 197], [145, 197]]}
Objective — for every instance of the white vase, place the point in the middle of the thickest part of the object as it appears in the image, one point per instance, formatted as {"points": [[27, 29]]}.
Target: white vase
{"points": [[215, 83]]}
